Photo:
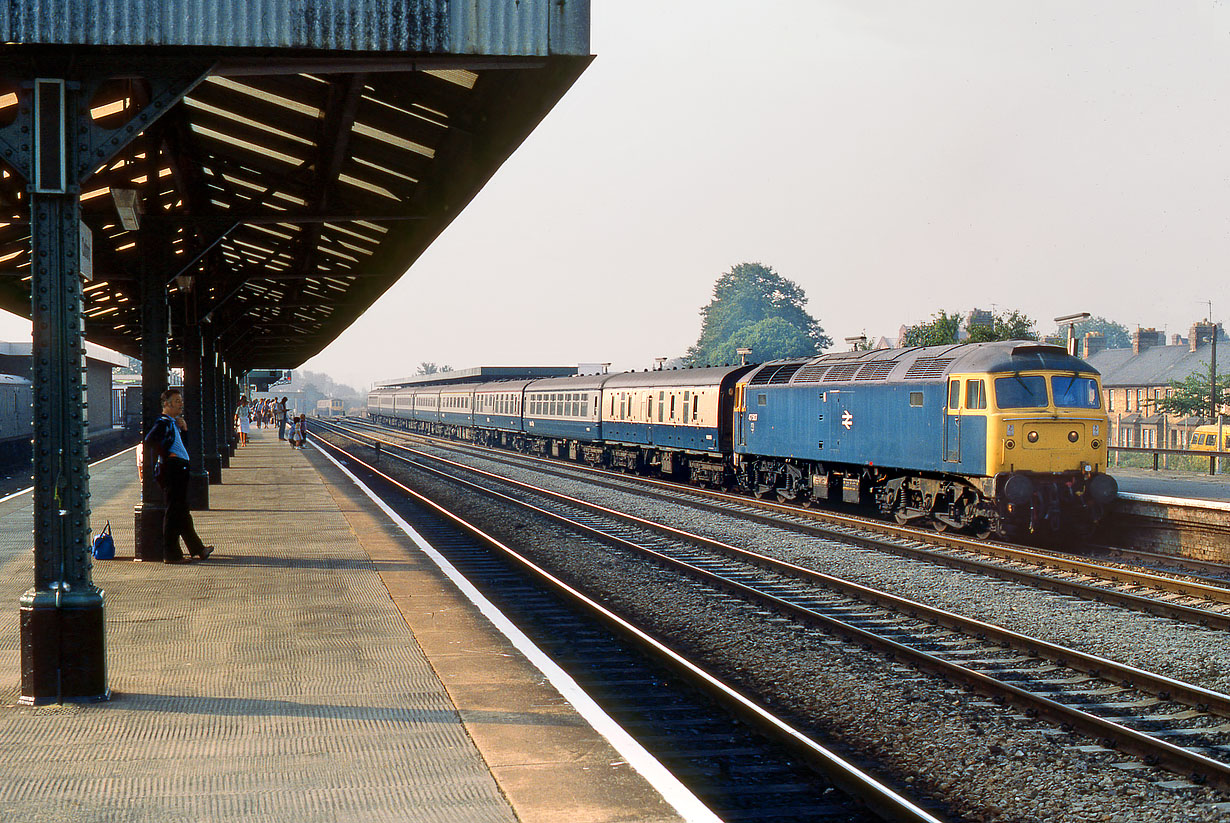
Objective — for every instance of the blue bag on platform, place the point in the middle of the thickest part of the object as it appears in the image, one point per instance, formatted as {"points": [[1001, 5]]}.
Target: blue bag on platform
{"points": [[104, 546]]}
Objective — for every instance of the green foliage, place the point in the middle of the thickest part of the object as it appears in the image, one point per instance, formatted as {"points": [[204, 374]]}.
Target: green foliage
{"points": [[943, 330], [1117, 336], [1193, 396], [940, 331], [755, 307]]}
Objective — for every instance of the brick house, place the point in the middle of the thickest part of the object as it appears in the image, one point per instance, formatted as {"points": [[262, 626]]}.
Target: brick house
{"points": [[1134, 379]]}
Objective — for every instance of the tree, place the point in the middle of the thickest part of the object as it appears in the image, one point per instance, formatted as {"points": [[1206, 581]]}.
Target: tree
{"points": [[755, 307], [944, 329], [940, 331], [1115, 334], [427, 368], [1010, 325], [1192, 396]]}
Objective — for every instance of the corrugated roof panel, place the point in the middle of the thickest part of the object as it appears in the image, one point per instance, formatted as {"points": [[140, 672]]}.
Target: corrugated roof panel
{"points": [[487, 27]]}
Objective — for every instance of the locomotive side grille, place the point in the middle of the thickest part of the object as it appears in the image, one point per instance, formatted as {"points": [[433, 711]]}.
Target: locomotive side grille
{"points": [[845, 371], [784, 373], [925, 367], [875, 371], [777, 374], [811, 374]]}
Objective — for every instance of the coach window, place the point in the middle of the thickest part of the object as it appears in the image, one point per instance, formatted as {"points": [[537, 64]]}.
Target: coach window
{"points": [[687, 404], [672, 407], [975, 394]]}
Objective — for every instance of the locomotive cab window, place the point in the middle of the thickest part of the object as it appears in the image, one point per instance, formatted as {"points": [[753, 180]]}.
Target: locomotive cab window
{"points": [[975, 394], [1072, 392], [954, 394], [1021, 392]]}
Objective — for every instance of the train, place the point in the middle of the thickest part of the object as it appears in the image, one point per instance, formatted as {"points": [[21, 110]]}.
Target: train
{"points": [[1204, 438], [1003, 438]]}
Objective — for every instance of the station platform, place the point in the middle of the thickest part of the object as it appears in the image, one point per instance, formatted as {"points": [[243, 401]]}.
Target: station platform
{"points": [[1169, 483], [316, 668]]}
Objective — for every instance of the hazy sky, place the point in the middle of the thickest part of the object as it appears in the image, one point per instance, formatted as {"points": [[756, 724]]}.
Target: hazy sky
{"points": [[892, 157]]}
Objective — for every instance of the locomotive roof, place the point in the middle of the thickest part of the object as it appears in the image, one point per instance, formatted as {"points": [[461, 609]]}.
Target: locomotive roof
{"points": [[919, 363]]}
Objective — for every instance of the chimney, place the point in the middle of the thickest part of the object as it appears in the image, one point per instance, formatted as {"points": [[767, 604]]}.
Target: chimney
{"points": [[1178, 340], [1201, 335], [1144, 339], [1095, 342]]}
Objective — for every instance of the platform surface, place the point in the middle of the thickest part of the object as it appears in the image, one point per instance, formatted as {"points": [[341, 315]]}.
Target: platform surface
{"points": [[315, 668], [1169, 483]]}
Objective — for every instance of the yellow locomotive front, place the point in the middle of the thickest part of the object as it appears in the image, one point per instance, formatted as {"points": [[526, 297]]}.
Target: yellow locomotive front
{"points": [[1046, 450]]}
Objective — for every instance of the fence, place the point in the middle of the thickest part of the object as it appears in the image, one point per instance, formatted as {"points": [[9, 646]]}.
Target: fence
{"points": [[1178, 459]]}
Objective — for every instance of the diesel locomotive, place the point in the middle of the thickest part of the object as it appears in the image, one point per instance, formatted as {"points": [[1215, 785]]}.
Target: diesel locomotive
{"points": [[1004, 438]]}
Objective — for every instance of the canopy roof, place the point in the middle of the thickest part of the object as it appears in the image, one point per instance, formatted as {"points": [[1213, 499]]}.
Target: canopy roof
{"points": [[312, 160]]}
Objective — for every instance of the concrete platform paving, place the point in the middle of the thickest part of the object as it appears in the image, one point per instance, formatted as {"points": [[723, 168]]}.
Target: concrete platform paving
{"points": [[317, 667]]}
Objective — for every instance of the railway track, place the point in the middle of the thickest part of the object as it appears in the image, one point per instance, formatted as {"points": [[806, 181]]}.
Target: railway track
{"points": [[1165, 722], [1189, 598], [734, 758]]}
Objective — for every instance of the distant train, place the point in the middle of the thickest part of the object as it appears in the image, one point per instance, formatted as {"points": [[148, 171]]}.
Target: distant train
{"points": [[331, 407], [1003, 438], [16, 416], [1204, 438]]}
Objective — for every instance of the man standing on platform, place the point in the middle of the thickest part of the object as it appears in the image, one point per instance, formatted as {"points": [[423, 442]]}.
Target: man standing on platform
{"points": [[280, 412], [171, 472]]}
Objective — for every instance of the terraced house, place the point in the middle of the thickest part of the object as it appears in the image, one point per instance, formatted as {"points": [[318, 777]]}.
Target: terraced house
{"points": [[1135, 379]]}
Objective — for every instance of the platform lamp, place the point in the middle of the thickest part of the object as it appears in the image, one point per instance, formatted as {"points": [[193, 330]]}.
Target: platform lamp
{"points": [[743, 353], [855, 342], [661, 361], [1072, 320], [128, 207]]}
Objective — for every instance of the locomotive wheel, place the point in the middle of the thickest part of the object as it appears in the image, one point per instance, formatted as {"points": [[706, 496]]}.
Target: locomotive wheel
{"points": [[939, 526], [901, 518], [981, 528]]}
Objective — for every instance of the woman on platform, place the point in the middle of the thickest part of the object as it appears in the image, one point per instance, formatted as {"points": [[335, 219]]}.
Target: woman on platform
{"points": [[243, 420]]}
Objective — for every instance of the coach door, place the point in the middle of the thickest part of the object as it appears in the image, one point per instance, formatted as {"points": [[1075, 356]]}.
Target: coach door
{"points": [[952, 424]]}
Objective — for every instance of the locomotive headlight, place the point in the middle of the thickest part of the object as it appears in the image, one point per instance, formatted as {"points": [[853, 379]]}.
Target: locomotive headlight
{"points": [[1073, 436], [1032, 437]]}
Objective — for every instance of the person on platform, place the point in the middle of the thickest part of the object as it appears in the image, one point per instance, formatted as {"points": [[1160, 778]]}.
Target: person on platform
{"points": [[243, 420], [171, 473], [301, 431], [281, 415]]}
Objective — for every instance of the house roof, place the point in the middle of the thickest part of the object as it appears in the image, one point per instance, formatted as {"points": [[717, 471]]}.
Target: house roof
{"points": [[1156, 366]]}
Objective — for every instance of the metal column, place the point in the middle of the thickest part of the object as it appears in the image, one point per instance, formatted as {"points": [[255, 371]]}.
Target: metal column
{"points": [[63, 644], [198, 478], [211, 459], [148, 514]]}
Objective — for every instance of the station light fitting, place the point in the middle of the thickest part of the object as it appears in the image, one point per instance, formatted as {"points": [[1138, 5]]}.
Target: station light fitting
{"points": [[128, 207]]}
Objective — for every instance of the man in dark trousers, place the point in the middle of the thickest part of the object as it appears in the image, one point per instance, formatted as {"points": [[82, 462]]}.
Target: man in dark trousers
{"points": [[171, 472], [280, 412]]}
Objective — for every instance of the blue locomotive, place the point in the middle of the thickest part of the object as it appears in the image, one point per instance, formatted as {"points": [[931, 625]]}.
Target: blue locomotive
{"points": [[1006, 438]]}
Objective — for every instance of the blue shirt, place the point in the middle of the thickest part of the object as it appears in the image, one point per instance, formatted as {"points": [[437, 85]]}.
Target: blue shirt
{"points": [[177, 448]]}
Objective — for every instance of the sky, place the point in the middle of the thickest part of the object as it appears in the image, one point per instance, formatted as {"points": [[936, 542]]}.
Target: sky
{"points": [[894, 158]]}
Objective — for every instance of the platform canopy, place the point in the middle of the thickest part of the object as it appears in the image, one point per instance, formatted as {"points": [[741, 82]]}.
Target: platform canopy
{"points": [[289, 159]]}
